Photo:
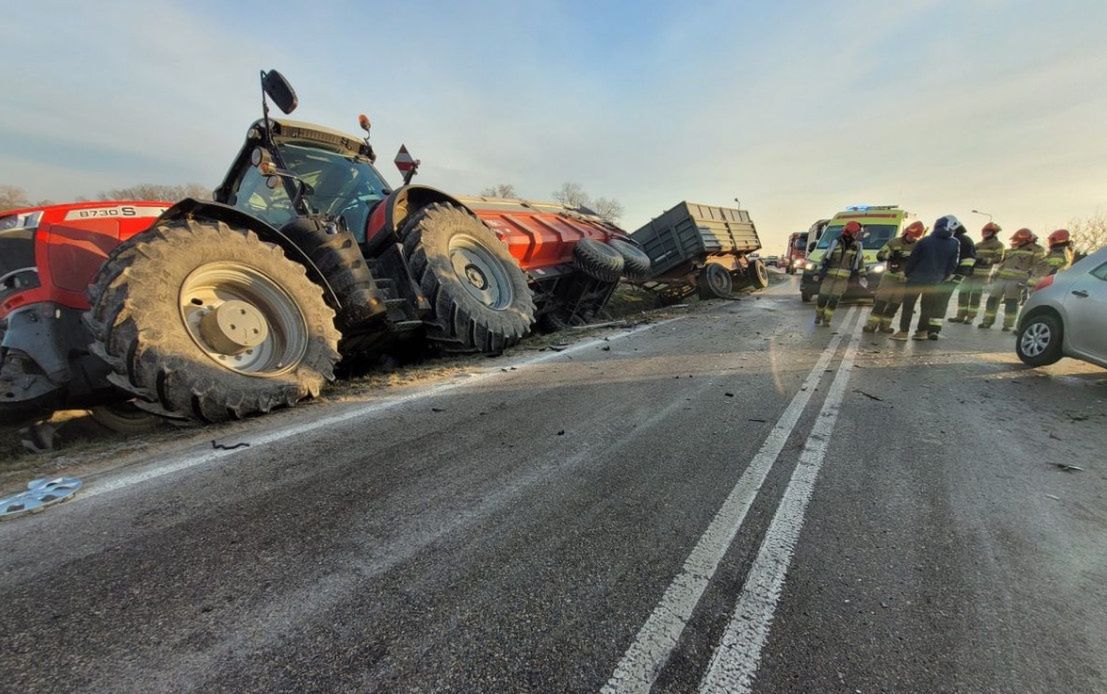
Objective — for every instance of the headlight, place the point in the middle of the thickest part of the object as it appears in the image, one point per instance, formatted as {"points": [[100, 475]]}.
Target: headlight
{"points": [[27, 220], [797, 262], [809, 266], [879, 267]]}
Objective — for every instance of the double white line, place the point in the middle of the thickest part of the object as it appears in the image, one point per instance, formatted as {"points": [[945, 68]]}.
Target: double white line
{"points": [[736, 659]]}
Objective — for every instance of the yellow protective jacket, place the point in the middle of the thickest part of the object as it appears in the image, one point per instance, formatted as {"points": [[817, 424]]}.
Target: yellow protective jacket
{"points": [[842, 258], [1058, 259], [989, 253], [895, 254], [1020, 263]]}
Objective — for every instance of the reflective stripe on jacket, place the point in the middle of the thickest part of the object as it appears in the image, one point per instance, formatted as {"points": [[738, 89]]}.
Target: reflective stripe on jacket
{"points": [[895, 253], [989, 253], [1019, 263]]}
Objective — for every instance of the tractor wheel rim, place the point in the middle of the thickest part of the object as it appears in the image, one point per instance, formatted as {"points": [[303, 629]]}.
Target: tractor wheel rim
{"points": [[272, 336], [1035, 339], [481, 273]]}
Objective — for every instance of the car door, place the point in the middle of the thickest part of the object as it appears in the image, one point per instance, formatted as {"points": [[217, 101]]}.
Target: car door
{"points": [[1086, 306]]}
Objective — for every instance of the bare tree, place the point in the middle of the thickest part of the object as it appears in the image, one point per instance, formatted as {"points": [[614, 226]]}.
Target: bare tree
{"points": [[608, 208], [573, 195], [1089, 233], [154, 191], [13, 197], [500, 190]]}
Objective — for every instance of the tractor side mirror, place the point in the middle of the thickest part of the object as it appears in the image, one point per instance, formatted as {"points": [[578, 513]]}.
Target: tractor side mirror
{"points": [[277, 88], [811, 247]]}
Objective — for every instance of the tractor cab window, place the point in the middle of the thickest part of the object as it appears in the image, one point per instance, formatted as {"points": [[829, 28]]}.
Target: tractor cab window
{"points": [[341, 186]]}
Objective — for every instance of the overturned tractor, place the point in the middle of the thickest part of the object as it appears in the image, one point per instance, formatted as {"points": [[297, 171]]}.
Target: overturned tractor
{"points": [[306, 256]]}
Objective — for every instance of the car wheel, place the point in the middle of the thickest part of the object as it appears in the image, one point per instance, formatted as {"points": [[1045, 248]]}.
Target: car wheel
{"points": [[1039, 340]]}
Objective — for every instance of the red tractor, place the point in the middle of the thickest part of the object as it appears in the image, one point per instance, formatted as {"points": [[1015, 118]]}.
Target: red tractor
{"points": [[215, 310]]}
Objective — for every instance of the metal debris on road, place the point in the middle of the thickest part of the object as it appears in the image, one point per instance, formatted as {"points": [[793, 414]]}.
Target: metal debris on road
{"points": [[1068, 468], [40, 493]]}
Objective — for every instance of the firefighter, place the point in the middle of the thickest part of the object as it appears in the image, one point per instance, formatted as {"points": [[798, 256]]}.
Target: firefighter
{"points": [[929, 271], [842, 260], [963, 273], [989, 253], [1059, 257], [889, 293], [1011, 277]]}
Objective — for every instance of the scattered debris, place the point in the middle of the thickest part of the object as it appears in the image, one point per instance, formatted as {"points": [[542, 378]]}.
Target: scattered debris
{"points": [[225, 447], [1068, 468], [729, 395], [559, 347], [561, 433], [437, 409], [755, 419], [606, 348], [870, 396], [1055, 437], [1055, 498], [40, 493]]}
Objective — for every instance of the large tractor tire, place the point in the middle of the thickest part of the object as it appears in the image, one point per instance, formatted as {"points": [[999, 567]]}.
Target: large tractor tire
{"points": [[480, 298], [598, 260], [201, 321], [715, 282], [636, 264]]}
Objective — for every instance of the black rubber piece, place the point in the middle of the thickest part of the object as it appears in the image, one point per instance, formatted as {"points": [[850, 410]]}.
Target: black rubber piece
{"points": [[636, 264], [598, 260], [458, 321], [136, 326]]}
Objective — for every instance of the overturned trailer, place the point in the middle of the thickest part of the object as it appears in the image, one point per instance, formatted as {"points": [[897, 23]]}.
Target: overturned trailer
{"points": [[704, 248]]}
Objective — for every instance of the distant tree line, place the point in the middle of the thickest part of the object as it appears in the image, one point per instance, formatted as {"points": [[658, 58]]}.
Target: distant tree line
{"points": [[570, 194], [13, 197]]}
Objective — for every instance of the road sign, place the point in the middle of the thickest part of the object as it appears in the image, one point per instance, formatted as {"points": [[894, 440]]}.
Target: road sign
{"points": [[404, 161]]}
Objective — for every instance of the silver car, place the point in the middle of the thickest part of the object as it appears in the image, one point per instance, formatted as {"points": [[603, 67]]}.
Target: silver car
{"points": [[1067, 315]]}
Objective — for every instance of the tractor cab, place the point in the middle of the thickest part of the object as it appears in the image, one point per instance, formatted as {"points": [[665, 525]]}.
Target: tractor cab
{"points": [[288, 168]]}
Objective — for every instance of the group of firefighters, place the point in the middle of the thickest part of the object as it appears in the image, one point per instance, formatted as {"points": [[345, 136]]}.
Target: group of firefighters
{"points": [[927, 269]]}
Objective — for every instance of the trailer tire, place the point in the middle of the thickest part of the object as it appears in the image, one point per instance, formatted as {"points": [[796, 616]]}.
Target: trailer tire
{"points": [[598, 260], [480, 298], [183, 365], [715, 282], [758, 274], [636, 264], [124, 418]]}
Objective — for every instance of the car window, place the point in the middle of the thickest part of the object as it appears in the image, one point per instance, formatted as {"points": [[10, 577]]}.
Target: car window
{"points": [[1100, 272]]}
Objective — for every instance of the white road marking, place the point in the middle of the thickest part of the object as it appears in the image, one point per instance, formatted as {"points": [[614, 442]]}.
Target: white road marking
{"points": [[735, 662], [184, 462], [650, 650]]}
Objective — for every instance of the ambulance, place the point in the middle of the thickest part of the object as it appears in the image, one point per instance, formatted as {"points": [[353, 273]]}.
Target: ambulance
{"points": [[879, 225]]}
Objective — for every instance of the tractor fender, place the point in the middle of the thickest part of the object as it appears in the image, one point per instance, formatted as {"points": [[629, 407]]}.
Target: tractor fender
{"points": [[190, 208], [387, 218]]}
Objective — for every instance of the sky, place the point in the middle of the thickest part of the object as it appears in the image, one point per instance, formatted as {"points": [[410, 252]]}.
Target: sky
{"points": [[796, 108]]}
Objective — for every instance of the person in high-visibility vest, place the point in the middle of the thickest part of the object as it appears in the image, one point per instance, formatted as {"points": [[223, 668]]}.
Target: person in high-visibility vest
{"points": [[1059, 257], [1011, 278], [843, 259], [889, 293], [989, 253], [966, 263]]}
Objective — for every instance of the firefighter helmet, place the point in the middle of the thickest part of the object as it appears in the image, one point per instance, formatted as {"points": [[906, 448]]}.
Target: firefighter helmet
{"points": [[1059, 237], [990, 229], [949, 222], [914, 231], [852, 229], [1023, 236]]}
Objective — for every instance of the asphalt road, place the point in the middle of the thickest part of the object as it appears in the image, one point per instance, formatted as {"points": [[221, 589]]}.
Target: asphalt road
{"points": [[731, 501]]}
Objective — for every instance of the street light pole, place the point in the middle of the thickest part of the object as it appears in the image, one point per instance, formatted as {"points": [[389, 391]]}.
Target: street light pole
{"points": [[983, 213]]}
